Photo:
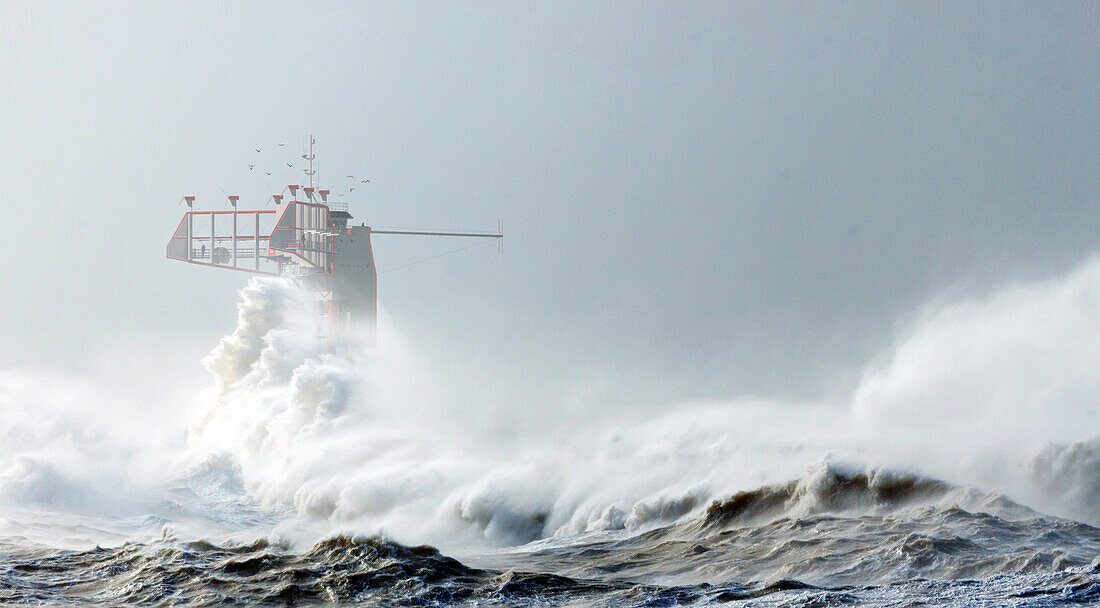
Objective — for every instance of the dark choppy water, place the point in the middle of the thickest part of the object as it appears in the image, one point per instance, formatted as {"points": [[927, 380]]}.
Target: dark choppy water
{"points": [[900, 542]]}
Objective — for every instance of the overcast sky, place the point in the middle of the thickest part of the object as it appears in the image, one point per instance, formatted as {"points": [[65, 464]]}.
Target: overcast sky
{"points": [[700, 200]]}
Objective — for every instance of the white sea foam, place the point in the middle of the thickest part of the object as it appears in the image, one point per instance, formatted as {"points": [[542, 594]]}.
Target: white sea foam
{"points": [[998, 392]]}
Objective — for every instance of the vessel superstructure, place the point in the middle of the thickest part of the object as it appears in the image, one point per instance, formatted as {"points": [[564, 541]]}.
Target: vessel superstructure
{"points": [[305, 237]]}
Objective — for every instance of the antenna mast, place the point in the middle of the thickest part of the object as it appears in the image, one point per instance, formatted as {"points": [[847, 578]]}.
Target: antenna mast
{"points": [[311, 142]]}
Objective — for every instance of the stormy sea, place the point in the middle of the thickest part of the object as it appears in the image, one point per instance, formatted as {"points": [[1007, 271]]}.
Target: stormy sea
{"points": [[963, 469]]}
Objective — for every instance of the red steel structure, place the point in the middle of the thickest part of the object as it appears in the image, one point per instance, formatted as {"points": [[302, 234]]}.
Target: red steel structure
{"points": [[309, 241]]}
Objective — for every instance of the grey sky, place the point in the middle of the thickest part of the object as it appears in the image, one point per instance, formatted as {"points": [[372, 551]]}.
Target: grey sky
{"points": [[700, 200]]}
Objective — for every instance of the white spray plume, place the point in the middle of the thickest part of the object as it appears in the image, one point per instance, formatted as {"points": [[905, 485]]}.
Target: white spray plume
{"points": [[977, 390], [999, 392]]}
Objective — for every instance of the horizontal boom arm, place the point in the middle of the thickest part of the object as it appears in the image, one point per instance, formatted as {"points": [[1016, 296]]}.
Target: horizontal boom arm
{"points": [[492, 235]]}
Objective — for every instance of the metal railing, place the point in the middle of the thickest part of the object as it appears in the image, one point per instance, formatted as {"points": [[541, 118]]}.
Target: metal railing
{"points": [[334, 206], [199, 253]]}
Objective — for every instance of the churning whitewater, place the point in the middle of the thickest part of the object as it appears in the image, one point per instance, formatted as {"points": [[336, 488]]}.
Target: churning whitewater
{"points": [[964, 469]]}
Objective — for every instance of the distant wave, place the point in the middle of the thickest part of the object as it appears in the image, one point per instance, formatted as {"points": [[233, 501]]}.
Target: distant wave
{"points": [[836, 526], [845, 490]]}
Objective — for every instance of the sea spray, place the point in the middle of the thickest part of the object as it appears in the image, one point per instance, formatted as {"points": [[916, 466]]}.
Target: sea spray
{"points": [[996, 393], [977, 390], [300, 422]]}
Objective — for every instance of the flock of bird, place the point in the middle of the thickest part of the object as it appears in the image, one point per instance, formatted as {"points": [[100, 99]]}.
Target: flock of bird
{"points": [[348, 187]]}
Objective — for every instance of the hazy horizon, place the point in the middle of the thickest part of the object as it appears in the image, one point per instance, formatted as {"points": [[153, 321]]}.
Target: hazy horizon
{"points": [[700, 200]]}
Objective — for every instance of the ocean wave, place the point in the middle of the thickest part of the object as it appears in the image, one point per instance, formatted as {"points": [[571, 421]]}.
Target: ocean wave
{"points": [[372, 571], [287, 431], [837, 526], [336, 443], [366, 571], [840, 489]]}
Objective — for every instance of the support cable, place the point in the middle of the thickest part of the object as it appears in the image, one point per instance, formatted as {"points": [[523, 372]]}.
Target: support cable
{"points": [[428, 259]]}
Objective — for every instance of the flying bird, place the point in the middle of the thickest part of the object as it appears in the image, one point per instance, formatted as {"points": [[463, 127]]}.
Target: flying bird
{"points": [[267, 172], [290, 164], [257, 150], [350, 176], [352, 190], [364, 181], [304, 156], [281, 145], [251, 167]]}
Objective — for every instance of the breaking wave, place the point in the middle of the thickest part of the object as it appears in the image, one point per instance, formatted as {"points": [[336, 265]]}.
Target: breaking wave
{"points": [[944, 463], [344, 444], [836, 526]]}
